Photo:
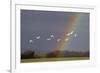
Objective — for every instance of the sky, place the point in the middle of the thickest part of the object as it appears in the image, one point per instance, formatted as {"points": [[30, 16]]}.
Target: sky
{"points": [[41, 31]]}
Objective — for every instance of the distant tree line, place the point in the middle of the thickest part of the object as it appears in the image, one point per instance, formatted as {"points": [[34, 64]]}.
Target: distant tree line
{"points": [[28, 55], [54, 54], [67, 54]]}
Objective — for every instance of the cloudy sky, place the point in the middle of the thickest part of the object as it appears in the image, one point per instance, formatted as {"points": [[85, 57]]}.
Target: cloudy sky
{"points": [[41, 31]]}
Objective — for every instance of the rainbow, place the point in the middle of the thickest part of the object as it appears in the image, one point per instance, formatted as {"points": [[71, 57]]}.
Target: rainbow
{"points": [[69, 29]]}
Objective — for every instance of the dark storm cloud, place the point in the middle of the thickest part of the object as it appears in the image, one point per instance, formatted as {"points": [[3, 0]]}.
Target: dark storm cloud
{"points": [[46, 23]]}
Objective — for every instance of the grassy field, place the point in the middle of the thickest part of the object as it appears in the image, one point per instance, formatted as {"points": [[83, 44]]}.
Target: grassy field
{"points": [[53, 59]]}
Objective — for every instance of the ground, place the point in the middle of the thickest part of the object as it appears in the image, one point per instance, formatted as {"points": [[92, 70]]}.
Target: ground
{"points": [[53, 59]]}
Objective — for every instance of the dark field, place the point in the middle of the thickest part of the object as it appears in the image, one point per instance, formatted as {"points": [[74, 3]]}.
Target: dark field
{"points": [[31, 56]]}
